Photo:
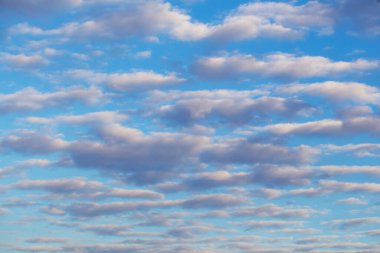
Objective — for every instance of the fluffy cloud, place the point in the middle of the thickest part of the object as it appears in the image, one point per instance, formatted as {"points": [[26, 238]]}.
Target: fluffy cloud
{"points": [[93, 118], [37, 249], [21, 166], [363, 14], [331, 186], [103, 248], [251, 20], [350, 223], [38, 6], [22, 61], [327, 127], [273, 19], [80, 188], [46, 240], [136, 19], [275, 176], [358, 150], [211, 201], [107, 229], [239, 145], [341, 170], [242, 151], [158, 17], [276, 65], [29, 99], [28, 142], [234, 107], [149, 158], [60, 185], [271, 210], [126, 81], [353, 201], [93, 209], [337, 91], [270, 224], [143, 158], [127, 152]]}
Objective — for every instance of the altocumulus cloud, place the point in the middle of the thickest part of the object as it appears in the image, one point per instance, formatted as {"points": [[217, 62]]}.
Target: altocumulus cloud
{"points": [[188, 127]]}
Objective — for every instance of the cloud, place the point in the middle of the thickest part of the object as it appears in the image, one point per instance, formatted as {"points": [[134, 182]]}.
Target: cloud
{"points": [[103, 248], [210, 201], [126, 81], [136, 19], [331, 187], [136, 193], [351, 223], [206, 180], [192, 231], [353, 201], [268, 175], [111, 193], [46, 240], [270, 224], [282, 175], [143, 54], [125, 152], [142, 158], [268, 193], [107, 229], [373, 232], [21, 166], [272, 210], [274, 20], [60, 186], [28, 142], [30, 99], [336, 92], [93, 118], [276, 65], [3, 211], [363, 14], [37, 249], [94, 209], [150, 18], [81, 188], [342, 170], [358, 150], [134, 156], [242, 151], [38, 6], [327, 127], [22, 61], [221, 106], [320, 127]]}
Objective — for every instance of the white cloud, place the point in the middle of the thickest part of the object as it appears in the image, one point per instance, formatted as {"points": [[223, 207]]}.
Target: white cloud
{"points": [[277, 65], [143, 54], [22, 61], [273, 19], [102, 117], [336, 91], [158, 17], [29, 99], [358, 150], [353, 201], [331, 187], [126, 81], [327, 127]]}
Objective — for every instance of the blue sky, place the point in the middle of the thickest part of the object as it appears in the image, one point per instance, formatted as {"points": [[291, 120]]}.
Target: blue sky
{"points": [[189, 126]]}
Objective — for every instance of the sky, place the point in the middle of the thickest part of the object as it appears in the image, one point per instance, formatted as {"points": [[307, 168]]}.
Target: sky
{"points": [[189, 126]]}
